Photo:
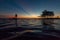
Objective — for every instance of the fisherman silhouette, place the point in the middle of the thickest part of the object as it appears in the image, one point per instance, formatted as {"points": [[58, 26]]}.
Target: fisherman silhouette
{"points": [[15, 15], [47, 22], [16, 20]]}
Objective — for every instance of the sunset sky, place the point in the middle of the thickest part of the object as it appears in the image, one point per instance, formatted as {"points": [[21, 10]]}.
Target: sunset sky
{"points": [[28, 8]]}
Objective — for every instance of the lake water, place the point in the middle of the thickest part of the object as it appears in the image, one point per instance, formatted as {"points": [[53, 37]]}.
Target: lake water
{"points": [[31, 23], [27, 26]]}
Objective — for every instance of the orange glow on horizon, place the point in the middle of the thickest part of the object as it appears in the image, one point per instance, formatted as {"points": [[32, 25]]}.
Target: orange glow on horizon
{"points": [[31, 16], [26, 16]]}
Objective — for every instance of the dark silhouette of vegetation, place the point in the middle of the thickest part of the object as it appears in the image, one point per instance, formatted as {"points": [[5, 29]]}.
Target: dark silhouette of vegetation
{"points": [[47, 13]]}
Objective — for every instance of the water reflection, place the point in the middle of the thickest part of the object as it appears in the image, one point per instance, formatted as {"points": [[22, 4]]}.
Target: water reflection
{"points": [[54, 23], [48, 24], [41, 23]]}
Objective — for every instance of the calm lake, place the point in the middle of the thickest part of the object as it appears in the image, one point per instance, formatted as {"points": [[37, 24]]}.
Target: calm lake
{"points": [[30, 23]]}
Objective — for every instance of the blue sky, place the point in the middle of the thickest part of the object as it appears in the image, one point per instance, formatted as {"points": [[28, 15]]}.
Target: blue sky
{"points": [[28, 7]]}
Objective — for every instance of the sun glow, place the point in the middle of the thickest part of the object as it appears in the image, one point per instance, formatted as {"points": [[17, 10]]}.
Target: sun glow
{"points": [[28, 16]]}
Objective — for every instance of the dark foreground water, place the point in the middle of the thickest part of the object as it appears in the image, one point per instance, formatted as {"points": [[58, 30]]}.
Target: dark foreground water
{"points": [[27, 29], [28, 23]]}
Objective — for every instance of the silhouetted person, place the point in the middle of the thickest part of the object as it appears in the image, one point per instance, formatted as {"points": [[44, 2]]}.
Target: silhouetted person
{"points": [[47, 22], [16, 20]]}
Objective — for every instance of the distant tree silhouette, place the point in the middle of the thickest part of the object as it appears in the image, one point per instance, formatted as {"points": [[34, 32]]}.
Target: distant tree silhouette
{"points": [[47, 13]]}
